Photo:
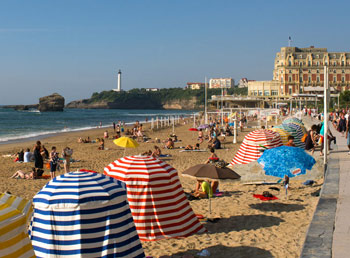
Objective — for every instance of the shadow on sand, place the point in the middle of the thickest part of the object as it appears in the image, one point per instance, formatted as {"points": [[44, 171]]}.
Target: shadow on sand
{"points": [[221, 251], [276, 206], [244, 222]]}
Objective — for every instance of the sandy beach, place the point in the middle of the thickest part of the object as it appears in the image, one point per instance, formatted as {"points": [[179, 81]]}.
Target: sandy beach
{"points": [[247, 227]]}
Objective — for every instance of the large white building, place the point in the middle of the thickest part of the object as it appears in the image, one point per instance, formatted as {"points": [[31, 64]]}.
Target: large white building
{"points": [[221, 83]]}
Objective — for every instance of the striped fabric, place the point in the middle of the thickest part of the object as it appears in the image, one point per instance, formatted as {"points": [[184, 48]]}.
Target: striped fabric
{"points": [[157, 201], [301, 126], [83, 214], [293, 119], [250, 149], [283, 133], [294, 131], [14, 214]]}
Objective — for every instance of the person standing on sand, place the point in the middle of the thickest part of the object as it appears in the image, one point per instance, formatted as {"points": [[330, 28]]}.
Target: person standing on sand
{"points": [[114, 127], [67, 154], [38, 159], [53, 162]]}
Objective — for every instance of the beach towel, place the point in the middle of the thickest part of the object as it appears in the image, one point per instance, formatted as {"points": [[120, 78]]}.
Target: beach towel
{"points": [[263, 198]]}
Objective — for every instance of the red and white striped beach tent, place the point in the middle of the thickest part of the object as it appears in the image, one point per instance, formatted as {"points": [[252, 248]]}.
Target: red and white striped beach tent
{"points": [[157, 201], [251, 147]]}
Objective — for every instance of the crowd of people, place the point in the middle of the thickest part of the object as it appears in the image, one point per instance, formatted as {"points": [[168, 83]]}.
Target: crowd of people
{"points": [[40, 155]]}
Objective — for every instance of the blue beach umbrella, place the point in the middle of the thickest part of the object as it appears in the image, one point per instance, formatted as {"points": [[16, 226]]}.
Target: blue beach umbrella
{"points": [[231, 124], [284, 160], [83, 214]]}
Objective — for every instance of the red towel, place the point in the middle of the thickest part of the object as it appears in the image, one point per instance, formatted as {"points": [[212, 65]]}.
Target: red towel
{"points": [[263, 198]]}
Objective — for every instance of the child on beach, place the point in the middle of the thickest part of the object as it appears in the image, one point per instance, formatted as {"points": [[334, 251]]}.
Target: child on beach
{"points": [[67, 154], [290, 141], [53, 162]]}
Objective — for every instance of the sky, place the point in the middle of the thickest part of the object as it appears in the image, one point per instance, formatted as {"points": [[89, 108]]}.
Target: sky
{"points": [[75, 48]]}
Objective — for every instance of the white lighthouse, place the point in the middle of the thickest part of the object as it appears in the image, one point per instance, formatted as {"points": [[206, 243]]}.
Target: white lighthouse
{"points": [[119, 87]]}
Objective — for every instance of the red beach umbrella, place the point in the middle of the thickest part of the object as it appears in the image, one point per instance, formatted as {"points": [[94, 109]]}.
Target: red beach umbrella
{"points": [[157, 201], [253, 145], [193, 129]]}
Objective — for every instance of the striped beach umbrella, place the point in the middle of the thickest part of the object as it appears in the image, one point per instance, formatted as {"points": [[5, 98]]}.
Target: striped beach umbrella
{"points": [[292, 119], [157, 201], [253, 145], [14, 214], [298, 126], [296, 132], [83, 214], [283, 133]]}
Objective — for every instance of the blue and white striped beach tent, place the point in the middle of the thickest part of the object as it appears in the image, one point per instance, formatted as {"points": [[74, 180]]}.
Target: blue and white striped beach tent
{"points": [[83, 214]]}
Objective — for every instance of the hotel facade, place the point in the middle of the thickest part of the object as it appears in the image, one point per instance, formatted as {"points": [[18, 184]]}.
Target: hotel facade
{"points": [[301, 71]]}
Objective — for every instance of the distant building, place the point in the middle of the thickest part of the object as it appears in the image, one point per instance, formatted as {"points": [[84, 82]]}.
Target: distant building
{"points": [[221, 83], [301, 70], [195, 85], [264, 88], [151, 89], [243, 83]]}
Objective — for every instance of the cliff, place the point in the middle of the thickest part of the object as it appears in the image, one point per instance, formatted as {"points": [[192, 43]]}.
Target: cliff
{"points": [[54, 102], [132, 104]]}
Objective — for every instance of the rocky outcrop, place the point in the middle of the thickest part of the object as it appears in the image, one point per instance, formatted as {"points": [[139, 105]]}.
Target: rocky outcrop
{"points": [[22, 107], [189, 104], [54, 102]]}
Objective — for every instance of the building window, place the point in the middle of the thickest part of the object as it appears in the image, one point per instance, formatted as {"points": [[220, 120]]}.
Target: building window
{"points": [[335, 63], [342, 71], [255, 93], [290, 63], [309, 78], [317, 71], [334, 78], [260, 93], [343, 79], [334, 71], [290, 90], [342, 62], [290, 78], [309, 71], [266, 93], [300, 63], [301, 78], [326, 63], [317, 63], [290, 71], [308, 63], [274, 93], [318, 79]]}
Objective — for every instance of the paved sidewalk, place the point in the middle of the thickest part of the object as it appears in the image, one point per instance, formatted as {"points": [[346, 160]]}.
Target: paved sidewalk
{"points": [[341, 234]]}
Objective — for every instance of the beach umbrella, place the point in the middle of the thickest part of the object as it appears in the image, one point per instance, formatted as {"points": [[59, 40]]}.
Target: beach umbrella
{"points": [[231, 124], [125, 142], [283, 133], [298, 126], [210, 171], [193, 129], [14, 214], [203, 126], [296, 132], [286, 160], [157, 201], [292, 119], [254, 144], [83, 214]]}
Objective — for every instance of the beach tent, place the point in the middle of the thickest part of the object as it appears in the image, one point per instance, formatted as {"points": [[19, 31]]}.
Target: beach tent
{"points": [[294, 131], [253, 145], [14, 214], [83, 214], [157, 201], [283, 133]]}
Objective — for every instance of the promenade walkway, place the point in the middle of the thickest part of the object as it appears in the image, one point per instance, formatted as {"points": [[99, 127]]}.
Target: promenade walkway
{"points": [[341, 235], [329, 232]]}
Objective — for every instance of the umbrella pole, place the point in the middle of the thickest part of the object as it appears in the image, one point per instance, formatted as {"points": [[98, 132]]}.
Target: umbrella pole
{"points": [[124, 151]]}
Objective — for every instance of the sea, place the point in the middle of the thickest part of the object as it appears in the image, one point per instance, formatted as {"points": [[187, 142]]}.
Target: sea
{"points": [[26, 125]]}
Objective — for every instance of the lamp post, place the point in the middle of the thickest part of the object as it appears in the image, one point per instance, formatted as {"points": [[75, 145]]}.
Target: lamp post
{"points": [[325, 116]]}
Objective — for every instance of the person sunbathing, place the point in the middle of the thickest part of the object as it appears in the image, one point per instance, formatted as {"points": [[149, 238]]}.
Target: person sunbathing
{"points": [[213, 157], [157, 152], [23, 175], [170, 144], [205, 189]]}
